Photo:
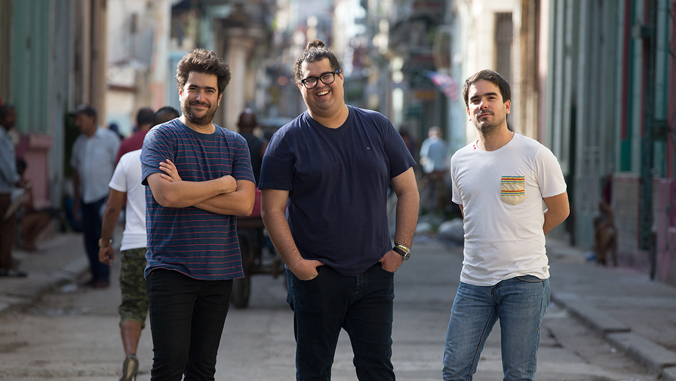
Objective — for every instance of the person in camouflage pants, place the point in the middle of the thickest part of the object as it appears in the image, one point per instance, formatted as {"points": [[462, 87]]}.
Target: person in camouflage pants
{"points": [[126, 182], [134, 306]]}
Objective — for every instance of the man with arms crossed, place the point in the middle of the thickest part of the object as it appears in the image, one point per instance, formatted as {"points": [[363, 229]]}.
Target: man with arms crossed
{"points": [[500, 182], [193, 253], [331, 167]]}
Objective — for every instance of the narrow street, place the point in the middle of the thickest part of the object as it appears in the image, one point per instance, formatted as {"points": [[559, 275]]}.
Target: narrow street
{"points": [[72, 334]]}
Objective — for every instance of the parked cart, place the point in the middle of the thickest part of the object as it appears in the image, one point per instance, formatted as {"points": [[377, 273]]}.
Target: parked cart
{"points": [[250, 231]]}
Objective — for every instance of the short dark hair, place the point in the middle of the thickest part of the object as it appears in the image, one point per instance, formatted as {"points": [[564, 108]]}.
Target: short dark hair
{"points": [[164, 115], [315, 52], [203, 61], [247, 119], [4, 109], [87, 110], [144, 116], [490, 76]]}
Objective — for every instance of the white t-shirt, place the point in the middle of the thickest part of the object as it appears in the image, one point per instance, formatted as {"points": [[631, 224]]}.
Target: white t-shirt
{"points": [[501, 193], [127, 178], [94, 159]]}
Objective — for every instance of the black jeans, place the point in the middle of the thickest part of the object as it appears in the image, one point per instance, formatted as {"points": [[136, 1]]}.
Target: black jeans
{"points": [[91, 227], [186, 321], [362, 305]]}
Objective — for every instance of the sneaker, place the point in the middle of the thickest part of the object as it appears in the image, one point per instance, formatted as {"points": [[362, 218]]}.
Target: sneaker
{"points": [[12, 273], [129, 368]]}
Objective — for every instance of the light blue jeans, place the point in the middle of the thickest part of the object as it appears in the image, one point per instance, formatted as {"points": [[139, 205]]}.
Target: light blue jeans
{"points": [[519, 303]]}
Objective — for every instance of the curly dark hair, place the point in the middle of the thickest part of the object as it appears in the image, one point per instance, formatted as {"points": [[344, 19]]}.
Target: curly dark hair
{"points": [[315, 52], [490, 76], [203, 61]]}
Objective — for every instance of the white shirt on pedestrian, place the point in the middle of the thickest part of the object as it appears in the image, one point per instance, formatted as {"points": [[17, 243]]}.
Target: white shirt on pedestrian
{"points": [[94, 159], [436, 152], [127, 178]]}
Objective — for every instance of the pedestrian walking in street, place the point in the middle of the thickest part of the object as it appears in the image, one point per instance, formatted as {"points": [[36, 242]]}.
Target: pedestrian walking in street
{"points": [[9, 178], [500, 182], [246, 124], [331, 167], [126, 184], [93, 162], [199, 176], [433, 158]]}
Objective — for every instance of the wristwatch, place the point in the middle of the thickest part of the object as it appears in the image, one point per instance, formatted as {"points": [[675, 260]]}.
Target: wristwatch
{"points": [[403, 251], [102, 243]]}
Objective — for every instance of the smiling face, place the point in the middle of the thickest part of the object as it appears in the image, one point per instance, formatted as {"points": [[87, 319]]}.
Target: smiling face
{"points": [[324, 101], [199, 98], [485, 107]]}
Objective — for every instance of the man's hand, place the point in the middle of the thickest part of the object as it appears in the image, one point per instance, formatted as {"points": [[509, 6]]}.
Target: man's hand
{"points": [[170, 172], [305, 269], [391, 261], [106, 254]]}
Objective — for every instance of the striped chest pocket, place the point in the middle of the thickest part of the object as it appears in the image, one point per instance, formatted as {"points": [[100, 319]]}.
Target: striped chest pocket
{"points": [[512, 189]]}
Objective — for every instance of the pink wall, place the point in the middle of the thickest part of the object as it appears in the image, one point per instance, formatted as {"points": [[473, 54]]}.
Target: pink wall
{"points": [[35, 153]]}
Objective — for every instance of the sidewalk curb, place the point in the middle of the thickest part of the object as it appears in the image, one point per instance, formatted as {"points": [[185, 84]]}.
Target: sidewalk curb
{"points": [[598, 320], [652, 355], [34, 290], [655, 357], [669, 374]]}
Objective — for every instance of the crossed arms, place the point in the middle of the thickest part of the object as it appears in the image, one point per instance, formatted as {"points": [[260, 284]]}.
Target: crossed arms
{"points": [[223, 195]]}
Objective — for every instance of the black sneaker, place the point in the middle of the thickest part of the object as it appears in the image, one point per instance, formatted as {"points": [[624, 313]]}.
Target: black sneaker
{"points": [[12, 273], [129, 368]]}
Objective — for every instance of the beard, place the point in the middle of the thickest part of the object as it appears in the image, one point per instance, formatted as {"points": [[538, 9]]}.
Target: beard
{"points": [[190, 116], [486, 128]]}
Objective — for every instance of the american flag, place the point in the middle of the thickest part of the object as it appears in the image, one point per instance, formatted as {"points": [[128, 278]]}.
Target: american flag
{"points": [[445, 83]]}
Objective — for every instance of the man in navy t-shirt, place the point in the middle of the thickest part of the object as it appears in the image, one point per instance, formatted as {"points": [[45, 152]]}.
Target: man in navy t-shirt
{"points": [[325, 179], [200, 179]]}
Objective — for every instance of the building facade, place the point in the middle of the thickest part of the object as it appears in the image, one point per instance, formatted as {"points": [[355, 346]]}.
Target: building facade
{"points": [[610, 105], [52, 58]]}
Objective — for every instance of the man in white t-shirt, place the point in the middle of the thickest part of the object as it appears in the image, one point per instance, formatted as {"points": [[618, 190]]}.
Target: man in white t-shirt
{"points": [[500, 182], [126, 182], [93, 162]]}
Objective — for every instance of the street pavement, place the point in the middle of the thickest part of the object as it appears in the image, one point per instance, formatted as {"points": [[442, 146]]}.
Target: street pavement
{"points": [[633, 313]]}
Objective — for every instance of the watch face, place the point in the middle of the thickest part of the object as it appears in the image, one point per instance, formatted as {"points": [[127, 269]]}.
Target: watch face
{"points": [[406, 256]]}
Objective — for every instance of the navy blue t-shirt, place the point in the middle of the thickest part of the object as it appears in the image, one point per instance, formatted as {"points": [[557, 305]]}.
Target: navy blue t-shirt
{"points": [[192, 241], [337, 181]]}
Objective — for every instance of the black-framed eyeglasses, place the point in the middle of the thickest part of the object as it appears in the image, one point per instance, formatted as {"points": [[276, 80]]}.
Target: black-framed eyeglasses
{"points": [[327, 78]]}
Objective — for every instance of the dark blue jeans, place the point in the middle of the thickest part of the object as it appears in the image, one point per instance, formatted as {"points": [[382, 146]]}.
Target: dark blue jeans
{"points": [[362, 305], [186, 321], [91, 227]]}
